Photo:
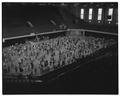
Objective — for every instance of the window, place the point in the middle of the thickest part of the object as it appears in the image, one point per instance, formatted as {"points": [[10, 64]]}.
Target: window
{"points": [[82, 14], [90, 13], [110, 13], [99, 14]]}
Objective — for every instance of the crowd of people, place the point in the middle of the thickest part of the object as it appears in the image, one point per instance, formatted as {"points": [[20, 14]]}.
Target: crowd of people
{"points": [[36, 58]]}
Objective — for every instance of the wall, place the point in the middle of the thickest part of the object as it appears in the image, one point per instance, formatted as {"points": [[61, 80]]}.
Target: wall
{"points": [[74, 9]]}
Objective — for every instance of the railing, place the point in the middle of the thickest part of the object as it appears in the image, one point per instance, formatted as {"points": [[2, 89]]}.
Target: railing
{"points": [[94, 31], [33, 34], [83, 31]]}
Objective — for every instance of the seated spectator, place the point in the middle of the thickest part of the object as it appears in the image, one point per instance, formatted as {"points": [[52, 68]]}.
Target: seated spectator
{"points": [[36, 58]]}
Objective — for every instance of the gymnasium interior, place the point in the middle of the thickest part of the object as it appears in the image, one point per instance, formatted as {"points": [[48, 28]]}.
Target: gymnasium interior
{"points": [[60, 48]]}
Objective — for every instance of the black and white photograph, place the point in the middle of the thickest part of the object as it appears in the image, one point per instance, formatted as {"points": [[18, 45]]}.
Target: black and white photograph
{"points": [[59, 48]]}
